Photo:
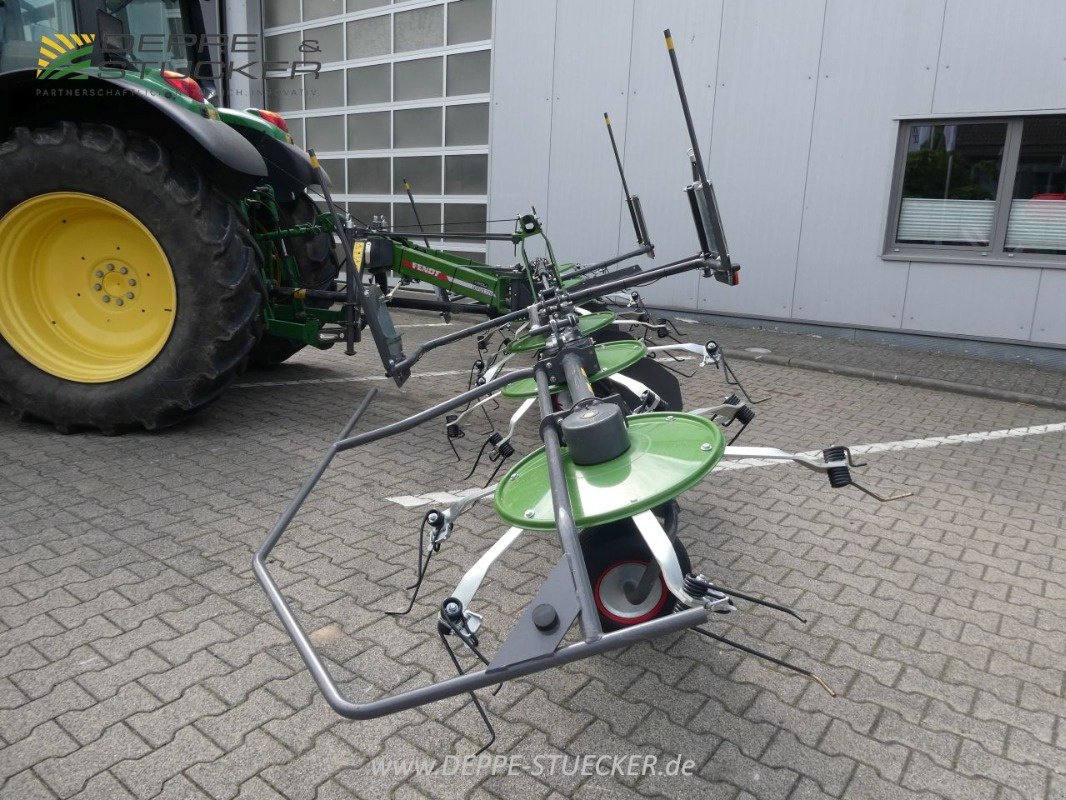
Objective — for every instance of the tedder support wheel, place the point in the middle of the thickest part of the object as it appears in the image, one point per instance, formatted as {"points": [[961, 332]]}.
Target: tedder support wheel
{"points": [[615, 555], [319, 268], [128, 284]]}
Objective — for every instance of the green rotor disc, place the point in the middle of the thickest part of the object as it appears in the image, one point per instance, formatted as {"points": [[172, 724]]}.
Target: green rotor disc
{"points": [[586, 324], [668, 454], [612, 356]]}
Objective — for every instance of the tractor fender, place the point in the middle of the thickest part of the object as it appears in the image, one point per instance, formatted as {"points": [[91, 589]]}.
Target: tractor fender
{"points": [[224, 154], [289, 169]]}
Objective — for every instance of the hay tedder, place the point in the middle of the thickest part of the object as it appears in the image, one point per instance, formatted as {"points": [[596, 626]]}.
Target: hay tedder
{"points": [[607, 478]]}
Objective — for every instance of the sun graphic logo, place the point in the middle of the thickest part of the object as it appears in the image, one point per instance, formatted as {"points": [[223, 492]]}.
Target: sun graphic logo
{"points": [[65, 55]]}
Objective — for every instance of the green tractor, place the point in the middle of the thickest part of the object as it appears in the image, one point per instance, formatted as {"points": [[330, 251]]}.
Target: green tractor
{"points": [[152, 245], [132, 282]]}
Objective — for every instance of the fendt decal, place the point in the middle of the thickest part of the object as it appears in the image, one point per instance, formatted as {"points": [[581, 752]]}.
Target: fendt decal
{"points": [[446, 279]]}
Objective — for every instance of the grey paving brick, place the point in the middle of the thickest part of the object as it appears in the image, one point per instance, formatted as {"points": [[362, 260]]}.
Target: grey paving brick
{"points": [[79, 663], [222, 778], [119, 648], [229, 728], [10, 696], [894, 735], [15, 636], [91, 630], [145, 776], [233, 687], [924, 775], [869, 785], [181, 648], [255, 788], [732, 766], [169, 684], [103, 683], [26, 786], [104, 785], [16, 723], [46, 741], [624, 714], [829, 772], [181, 788], [13, 616], [974, 761], [561, 725], [68, 775], [158, 724], [299, 778], [89, 724], [1038, 723]]}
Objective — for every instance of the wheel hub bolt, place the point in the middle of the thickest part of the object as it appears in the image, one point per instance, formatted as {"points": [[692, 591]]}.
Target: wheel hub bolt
{"points": [[124, 271], [97, 287], [118, 302], [133, 282], [99, 273], [129, 295], [110, 267], [107, 298]]}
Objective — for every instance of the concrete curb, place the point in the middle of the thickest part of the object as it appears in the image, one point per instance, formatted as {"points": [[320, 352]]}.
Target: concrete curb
{"points": [[902, 379]]}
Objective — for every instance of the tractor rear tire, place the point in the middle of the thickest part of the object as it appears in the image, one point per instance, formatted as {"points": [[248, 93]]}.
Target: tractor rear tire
{"points": [[129, 289], [319, 268]]}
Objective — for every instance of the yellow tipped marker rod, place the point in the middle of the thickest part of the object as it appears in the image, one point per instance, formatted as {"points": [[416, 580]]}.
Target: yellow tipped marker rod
{"points": [[698, 159], [414, 210], [631, 201]]}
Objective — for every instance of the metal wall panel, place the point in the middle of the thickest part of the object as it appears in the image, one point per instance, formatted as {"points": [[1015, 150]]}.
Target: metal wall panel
{"points": [[1002, 56], [996, 302], [767, 76], [1049, 321], [591, 76], [655, 142], [878, 62], [802, 165], [520, 135]]}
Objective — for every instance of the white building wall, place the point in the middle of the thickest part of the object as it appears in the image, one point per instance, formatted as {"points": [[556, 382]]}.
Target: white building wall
{"points": [[799, 104]]}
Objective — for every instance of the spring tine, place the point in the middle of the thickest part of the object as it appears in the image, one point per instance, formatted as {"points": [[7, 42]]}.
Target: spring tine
{"points": [[417, 586], [732, 379], [473, 697], [766, 657], [759, 601], [879, 497]]}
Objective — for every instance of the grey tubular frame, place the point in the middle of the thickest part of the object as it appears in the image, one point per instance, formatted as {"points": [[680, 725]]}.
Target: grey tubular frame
{"points": [[594, 640]]}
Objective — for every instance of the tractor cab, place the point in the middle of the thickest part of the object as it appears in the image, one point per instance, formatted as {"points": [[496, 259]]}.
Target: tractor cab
{"points": [[24, 22], [158, 33]]}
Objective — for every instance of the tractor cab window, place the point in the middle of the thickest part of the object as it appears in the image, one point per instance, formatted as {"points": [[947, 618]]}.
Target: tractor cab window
{"points": [[148, 20], [24, 22]]}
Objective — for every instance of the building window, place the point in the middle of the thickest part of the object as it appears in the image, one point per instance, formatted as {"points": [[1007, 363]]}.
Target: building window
{"points": [[404, 93], [981, 190]]}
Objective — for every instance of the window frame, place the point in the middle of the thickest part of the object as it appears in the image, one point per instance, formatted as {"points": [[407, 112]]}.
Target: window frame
{"points": [[994, 252], [349, 155]]}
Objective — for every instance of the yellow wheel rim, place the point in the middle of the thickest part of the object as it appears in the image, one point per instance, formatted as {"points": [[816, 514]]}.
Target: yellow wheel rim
{"points": [[86, 292]]}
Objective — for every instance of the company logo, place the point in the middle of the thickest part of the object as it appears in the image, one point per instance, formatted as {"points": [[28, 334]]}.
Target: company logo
{"points": [[65, 56]]}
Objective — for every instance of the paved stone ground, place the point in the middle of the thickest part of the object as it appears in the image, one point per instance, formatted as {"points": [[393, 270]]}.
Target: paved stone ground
{"points": [[139, 658], [893, 359]]}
